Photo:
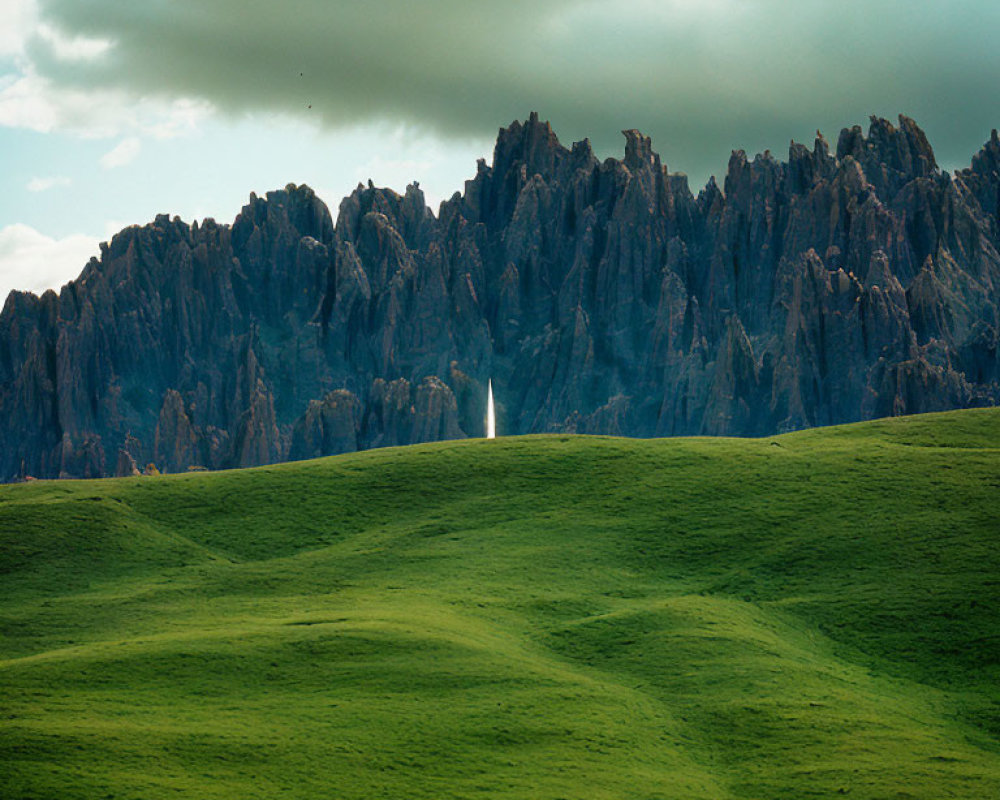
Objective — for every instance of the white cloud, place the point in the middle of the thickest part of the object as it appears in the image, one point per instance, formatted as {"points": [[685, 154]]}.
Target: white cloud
{"points": [[19, 18], [75, 48], [123, 153], [35, 102], [32, 261], [27, 100], [166, 120], [24, 104], [44, 184], [699, 76]]}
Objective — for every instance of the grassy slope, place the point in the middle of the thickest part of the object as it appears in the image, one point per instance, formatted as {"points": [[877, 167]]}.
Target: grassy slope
{"points": [[543, 617]]}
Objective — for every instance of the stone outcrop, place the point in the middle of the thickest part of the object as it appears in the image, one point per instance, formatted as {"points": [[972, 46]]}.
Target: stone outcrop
{"points": [[601, 297], [328, 427], [175, 442], [126, 466]]}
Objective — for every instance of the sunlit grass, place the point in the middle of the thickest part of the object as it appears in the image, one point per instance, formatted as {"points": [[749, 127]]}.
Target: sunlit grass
{"points": [[539, 617]]}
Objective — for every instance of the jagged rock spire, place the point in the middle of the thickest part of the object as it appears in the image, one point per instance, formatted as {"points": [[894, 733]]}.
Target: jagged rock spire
{"points": [[602, 296]]}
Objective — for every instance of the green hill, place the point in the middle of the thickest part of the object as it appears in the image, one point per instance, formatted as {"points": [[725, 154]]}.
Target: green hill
{"points": [[549, 617]]}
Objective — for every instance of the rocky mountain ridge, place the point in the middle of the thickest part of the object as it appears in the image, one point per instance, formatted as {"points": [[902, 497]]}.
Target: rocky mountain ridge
{"points": [[601, 297]]}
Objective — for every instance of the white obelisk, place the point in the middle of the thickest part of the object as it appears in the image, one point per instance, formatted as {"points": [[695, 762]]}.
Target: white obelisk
{"points": [[491, 417]]}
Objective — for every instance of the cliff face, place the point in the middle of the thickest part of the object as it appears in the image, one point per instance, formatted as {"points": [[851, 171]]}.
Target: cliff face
{"points": [[600, 297]]}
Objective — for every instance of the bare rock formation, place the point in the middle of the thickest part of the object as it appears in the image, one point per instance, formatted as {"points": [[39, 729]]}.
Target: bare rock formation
{"points": [[601, 297]]}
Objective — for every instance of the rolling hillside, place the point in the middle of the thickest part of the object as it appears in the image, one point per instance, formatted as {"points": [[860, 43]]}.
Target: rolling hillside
{"points": [[809, 615]]}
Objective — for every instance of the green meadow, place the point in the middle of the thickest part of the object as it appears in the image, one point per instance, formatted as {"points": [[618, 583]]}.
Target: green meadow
{"points": [[804, 616]]}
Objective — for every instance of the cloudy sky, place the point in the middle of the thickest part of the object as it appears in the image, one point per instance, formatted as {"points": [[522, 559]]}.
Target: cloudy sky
{"points": [[114, 111]]}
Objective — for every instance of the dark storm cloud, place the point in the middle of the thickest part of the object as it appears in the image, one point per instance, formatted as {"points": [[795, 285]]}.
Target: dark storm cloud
{"points": [[700, 77]]}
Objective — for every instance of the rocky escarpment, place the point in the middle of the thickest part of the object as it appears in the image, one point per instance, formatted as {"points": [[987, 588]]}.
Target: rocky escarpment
{"points": [[601, 297]]}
